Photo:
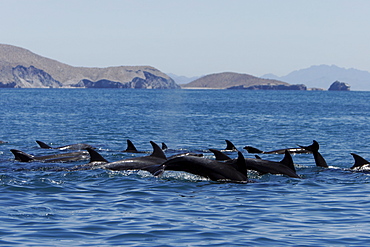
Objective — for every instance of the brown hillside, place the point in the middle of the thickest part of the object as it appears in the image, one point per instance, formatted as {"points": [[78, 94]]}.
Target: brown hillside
{"points": [[230, 79], [11, 56]]}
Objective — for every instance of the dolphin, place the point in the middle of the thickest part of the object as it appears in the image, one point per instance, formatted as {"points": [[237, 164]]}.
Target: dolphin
{"points": [[219, 154], [63, 157], [314, 148], [234, 171], [230, 147], [96, 161], [185, 154], [137, 163], [131, 148], [164, 146], [2, 142], [285, 166], [78, 146], [359, 162], [251, 149]]}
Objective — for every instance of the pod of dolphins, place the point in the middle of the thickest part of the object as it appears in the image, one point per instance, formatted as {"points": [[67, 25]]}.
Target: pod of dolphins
{"points": [[221, 169]]}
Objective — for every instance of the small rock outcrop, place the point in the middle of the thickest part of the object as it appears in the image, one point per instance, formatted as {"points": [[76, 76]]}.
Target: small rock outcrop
{"points": [[339, 86]]}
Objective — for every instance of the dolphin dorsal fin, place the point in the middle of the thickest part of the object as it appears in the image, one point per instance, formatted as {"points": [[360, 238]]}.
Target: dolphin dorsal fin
{"points": [[229, 145], [242, 166], [288, 161], [164, 146], [95, 156], [157, 151], [219, 155], [43, 145], [359, 161], [253, 150], [258, 157], [130, 147], [21, 156]]}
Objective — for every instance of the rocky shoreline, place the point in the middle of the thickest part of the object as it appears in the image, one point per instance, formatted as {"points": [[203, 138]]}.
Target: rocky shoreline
{"points": [[20, 68]]}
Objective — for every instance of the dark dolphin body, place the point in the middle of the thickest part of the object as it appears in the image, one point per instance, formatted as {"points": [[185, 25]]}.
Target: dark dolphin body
{"points": [[285, 166], [131, 148], [78, 146], [234, 171], [138, 163], [185, 154], [96, 161], [314, 148], [360, 162], [230, 147], [2, 142], [63, 157], [254, 150]]}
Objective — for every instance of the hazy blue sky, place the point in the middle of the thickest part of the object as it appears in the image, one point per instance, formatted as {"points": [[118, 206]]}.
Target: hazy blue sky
{"points": [[193, 37]]}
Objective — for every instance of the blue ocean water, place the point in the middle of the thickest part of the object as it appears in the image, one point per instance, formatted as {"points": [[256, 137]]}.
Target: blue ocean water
{"points": [[43, 207]]}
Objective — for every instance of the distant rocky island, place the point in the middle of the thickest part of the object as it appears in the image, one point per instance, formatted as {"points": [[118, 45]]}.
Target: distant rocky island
{"points": [[339, 86], [230, 80], [320, 76], [20, 68]]}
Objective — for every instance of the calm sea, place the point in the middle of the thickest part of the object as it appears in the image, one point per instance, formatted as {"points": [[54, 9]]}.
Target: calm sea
{"points": [[43, 207]]}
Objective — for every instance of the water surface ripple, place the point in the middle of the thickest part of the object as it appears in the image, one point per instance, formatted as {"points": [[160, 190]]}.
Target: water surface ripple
{"points": [[40, 206]]}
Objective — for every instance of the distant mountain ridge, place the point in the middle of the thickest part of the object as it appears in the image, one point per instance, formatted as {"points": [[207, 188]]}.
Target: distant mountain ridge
{"points": [[322, 76], [22, 68], [230, 79]]}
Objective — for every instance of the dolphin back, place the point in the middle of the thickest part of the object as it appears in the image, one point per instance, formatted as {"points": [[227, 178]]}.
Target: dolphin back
{"points": [[288, 161], [157, 151], [21, 156], [219, 155], [95, 156], [130, 147], [241, 165], [359, 161], [164, 146], [253, 150], [230, 146], [43, 145]]}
